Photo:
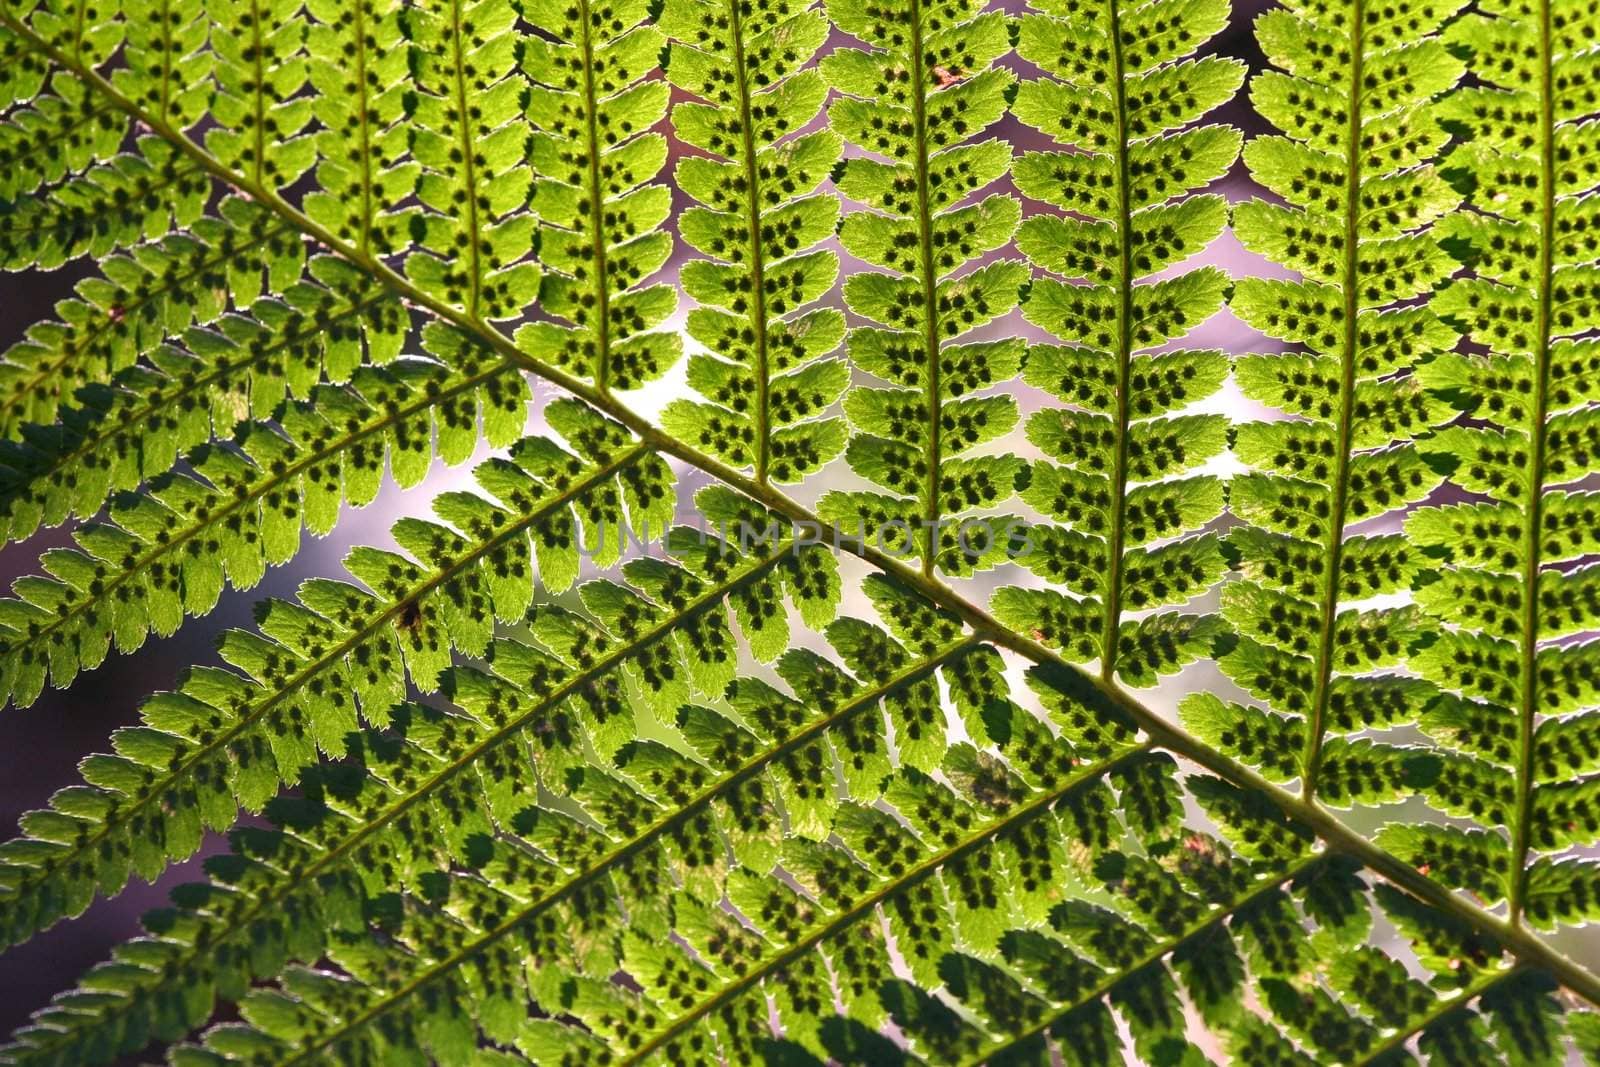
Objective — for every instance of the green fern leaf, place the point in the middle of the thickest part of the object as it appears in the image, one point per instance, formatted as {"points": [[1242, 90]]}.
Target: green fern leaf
{"points": [[144, 298], [57, 135], [134, 429], [1507, 590], [260, 110], [725, 800], [467, 131], [167, 64], [1356, 95], [172, 549], [764, 379], [926, 85], [132, 196], [1112, 463], [544, 911], [387, 819], [136, 196], [357, 65], [317, 663], [600, 222]]}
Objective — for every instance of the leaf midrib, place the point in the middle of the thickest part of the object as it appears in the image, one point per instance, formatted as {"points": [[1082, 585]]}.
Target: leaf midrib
{"points": [[1124, 353], [1311, 761], [596, 196], [1334, 832], [929, 279], [758, 266], [1522, 828], [359, 9]]}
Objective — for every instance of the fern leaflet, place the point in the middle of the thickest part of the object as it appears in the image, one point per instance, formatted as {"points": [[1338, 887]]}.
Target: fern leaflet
{"points": [[1360, 194], [926, 85], [761, 219], [1519, 721], [1130, 110]]}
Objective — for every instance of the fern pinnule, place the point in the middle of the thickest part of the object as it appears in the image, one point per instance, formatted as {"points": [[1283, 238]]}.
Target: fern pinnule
{"points": [[468, 132], [168, 65], [916, 98], [226, 741], [1118, 460], [357, 63], [55, 136], [600, 214], [1357, 96], [258, 106], [764, 376], [1520, 723]]}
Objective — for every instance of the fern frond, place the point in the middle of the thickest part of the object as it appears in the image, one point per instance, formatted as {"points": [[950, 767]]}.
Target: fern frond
{"points": [[1274, 921], [663, 813], [662, 819], [258, 105], [601, 217], [765, 377], [1180, 913], [226, 741], [468, 133], [1521, 716], [1123, 93], [168, 67], [357, 65], [389, 818], [926, 86], [134, 428], [971, 857], [166, 553], [1470, 1005], [136, 196], [133, 196], [55, 136], [1357, 96], [144, 298]]}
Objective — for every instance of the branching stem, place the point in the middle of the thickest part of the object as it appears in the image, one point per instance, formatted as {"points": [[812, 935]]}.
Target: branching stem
{"points": [[1514, 937]]}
